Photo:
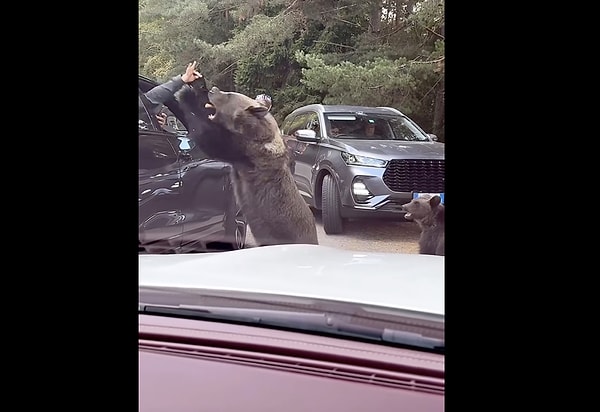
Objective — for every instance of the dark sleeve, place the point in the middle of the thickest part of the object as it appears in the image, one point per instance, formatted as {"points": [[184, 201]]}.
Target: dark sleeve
{"points": [[163, 92]]}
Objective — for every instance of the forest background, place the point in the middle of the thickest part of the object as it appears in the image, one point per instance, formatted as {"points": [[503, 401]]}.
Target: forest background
{"points": [[368, 53]]}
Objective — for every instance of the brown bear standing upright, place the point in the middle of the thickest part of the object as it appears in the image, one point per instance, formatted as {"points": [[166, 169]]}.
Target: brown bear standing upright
{"points": [[263, 183], [429, 214]]}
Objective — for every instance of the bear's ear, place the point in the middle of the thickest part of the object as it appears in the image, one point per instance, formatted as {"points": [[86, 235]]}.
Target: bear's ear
{"points": [[435, 201], [258, 110]]}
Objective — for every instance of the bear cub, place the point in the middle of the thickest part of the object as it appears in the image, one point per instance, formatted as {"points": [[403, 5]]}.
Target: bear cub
{"points": [[428, 212]]}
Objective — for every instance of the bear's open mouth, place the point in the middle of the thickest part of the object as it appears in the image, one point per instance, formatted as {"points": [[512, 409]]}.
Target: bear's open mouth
{"points": [[407, 215], [211, 116]]}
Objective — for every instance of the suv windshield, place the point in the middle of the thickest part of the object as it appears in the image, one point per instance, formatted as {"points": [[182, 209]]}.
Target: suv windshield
{"points": [[370, 126]]}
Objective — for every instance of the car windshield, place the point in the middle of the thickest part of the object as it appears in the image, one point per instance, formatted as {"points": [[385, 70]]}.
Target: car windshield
{"points": [[373, 127]]}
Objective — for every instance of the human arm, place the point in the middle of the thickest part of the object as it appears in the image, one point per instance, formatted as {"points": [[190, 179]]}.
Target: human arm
{"points": [[165, 91]]}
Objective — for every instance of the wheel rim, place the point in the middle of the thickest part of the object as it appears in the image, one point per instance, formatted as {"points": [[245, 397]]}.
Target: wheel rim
{"points": [[240, 232]]}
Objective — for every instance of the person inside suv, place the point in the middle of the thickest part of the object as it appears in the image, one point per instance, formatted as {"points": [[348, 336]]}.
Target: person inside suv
{"points": [[366, 129], [369, 129]]}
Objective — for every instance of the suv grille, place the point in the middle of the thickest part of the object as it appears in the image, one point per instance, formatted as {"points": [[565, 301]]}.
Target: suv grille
{"points": [[415, 175]]}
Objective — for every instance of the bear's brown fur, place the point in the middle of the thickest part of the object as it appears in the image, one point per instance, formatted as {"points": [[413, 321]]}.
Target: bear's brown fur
{"points": [[429, 214], [263, 183]]}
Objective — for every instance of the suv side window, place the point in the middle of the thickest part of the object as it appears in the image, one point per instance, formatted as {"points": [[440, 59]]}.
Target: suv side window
{"points": [[287, 125], [313, 123], [301, 121]]}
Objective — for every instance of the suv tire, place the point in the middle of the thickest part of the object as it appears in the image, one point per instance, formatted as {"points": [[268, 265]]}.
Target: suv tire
{"points": [[333, 223]]}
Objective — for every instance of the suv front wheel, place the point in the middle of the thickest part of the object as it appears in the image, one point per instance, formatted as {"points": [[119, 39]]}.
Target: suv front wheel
{"points": [[330, 200]]}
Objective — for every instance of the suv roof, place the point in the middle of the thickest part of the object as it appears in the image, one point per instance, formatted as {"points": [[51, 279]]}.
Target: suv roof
{"points": [[329, 108]]}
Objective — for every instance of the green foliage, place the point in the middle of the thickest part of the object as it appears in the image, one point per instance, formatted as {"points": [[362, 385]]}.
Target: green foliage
{"points": [[172, 27], [300, 52], [380, 82], [263, 53]]}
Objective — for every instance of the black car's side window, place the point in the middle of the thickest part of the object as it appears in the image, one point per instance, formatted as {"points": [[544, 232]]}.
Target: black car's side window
{"points": [[172, 123], [155, 152], [144, 122]]}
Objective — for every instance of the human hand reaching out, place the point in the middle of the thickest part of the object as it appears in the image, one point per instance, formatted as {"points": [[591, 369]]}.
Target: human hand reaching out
{"points": [[191, 73]]}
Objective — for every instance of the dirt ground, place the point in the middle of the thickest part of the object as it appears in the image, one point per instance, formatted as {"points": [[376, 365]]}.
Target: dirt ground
{"points": [[370, 235]]}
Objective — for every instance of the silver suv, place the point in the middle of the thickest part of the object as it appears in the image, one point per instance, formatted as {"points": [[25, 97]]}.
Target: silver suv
{"points": [[356, 161]]}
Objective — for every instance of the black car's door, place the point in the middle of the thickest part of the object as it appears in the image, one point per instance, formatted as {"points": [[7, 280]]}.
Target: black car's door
{"points": [[207, 194], [160, 218]]}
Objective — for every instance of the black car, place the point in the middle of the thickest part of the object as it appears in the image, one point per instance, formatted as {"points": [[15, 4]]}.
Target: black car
{"points": [[186, 199], [361, 162]]}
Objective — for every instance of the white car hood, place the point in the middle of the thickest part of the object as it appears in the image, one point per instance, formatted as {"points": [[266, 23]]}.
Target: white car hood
{"points": [[395, 280]]}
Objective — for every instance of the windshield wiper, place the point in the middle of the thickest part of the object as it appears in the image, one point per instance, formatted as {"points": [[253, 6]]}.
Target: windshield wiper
{"points": [[328, 323]]}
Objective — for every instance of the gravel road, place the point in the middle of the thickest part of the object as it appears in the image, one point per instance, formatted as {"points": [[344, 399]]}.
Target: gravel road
{"points": [[369, 235]]}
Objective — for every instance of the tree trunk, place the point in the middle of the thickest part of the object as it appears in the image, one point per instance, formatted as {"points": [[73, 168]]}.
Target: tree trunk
{"points": [[439, 112], [375, 18]]}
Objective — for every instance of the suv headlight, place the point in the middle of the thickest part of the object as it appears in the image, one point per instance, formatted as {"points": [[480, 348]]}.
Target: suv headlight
{"points": [[356, 160], [360, 192]]}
